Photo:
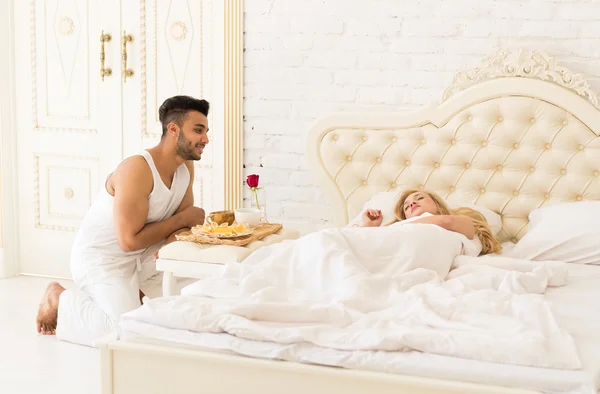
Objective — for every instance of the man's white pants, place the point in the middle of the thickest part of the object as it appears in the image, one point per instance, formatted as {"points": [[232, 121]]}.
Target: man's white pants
{"points": [[107, 288]]}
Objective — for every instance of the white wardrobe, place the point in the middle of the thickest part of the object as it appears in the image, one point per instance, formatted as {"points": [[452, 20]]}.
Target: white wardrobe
{"points": [[89, 78]]}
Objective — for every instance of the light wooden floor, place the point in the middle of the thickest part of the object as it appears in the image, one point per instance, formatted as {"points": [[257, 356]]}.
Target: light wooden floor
{"points": [[34, 364]]}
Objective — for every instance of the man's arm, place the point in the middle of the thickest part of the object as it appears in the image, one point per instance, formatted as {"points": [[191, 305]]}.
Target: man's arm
{"points": [[133, 183]]}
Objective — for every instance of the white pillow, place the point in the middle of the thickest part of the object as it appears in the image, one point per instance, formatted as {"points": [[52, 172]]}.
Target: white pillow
{"points": [[386, 202], [567, 232]]}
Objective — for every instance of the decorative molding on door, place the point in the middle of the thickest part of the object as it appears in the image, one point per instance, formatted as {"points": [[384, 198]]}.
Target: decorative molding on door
{"points": [[65, 28], [234, 102], [179, 28], [143, 81], [9, 207], [60, 202]]}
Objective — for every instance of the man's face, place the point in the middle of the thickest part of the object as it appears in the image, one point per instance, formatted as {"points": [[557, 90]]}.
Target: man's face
{"points": [[193, 136]]}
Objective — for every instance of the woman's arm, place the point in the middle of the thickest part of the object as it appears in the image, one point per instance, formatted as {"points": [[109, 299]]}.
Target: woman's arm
{"points": [[457, 223], [370, 218]]}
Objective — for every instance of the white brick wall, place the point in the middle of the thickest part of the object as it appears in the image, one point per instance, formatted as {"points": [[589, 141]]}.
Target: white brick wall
{"points": [[306, 58]]}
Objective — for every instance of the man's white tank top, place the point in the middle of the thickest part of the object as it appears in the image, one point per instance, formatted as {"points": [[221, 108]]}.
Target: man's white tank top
{"points": [[97, 234]]}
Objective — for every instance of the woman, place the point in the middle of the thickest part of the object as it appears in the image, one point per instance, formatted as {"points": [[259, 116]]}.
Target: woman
{"points": [[417, 206]]}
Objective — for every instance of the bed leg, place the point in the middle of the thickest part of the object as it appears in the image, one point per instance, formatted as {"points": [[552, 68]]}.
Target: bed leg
{"points": [[168, 284], [106, 364]]}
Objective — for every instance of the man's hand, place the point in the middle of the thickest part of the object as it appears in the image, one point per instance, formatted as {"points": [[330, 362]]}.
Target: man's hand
{"points": [[192, 216], [372, 218]]}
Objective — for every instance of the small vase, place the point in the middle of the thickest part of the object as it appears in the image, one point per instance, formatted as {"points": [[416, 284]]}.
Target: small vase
{"points": [[258, 199]]}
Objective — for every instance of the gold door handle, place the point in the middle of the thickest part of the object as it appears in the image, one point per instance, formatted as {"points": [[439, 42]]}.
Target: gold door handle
{"points": [[127, 72], [104, 71]]}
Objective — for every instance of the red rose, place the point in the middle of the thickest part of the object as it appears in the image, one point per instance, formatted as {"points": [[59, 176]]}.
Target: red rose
{"points": [[252, 180]]}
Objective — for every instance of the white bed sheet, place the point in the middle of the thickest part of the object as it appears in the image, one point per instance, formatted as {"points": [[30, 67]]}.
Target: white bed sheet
{"points": [[575, 305]]}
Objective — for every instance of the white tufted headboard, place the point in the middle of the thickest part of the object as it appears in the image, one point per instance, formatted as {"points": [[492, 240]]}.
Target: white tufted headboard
{"points": [[514, 134]]}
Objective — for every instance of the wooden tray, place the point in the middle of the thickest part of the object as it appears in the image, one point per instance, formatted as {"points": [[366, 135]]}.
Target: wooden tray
{"points": [[258, 233]]}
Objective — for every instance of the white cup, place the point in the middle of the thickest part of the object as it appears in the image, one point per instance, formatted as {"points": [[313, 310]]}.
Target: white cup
{"points": [[251, 216]]}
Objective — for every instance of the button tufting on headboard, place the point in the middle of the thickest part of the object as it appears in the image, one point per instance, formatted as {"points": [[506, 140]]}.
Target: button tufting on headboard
{"points": [[510, 144]]}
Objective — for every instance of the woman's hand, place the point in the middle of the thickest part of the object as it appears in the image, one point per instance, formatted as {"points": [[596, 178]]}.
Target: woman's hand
{"points": [[372, 218]]}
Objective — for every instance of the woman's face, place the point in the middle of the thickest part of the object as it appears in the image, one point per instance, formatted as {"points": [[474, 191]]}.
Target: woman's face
{"points": [[418, 203]]}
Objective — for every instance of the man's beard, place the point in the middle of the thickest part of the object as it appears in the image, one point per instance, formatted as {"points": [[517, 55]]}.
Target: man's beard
{"points": [[186, 149]]}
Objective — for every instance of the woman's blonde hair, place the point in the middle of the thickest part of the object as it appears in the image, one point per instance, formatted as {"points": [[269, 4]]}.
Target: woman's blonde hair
{"points": [[489, 242]]}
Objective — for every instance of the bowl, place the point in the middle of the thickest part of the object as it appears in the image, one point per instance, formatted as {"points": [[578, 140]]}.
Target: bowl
{"points": [[220, 217], [252, 216]]}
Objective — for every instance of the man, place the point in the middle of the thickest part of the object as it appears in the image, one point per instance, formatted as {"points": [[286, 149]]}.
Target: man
{"points": [[144, 203]]}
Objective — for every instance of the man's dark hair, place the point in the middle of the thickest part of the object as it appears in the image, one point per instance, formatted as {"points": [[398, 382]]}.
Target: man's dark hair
{"points": [[175, 110]]}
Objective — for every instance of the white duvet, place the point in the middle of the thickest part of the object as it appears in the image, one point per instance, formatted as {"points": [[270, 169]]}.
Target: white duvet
{"points": [[397, 288]]}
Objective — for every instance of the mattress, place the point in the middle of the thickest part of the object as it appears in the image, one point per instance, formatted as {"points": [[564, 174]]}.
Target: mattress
{"points": [[575, 306]]}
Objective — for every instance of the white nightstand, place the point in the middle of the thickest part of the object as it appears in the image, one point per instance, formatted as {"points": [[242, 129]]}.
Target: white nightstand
{"points": [[192, 260]]}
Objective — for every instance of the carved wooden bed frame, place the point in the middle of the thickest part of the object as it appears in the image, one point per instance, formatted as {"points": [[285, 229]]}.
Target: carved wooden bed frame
{"points": [[490, 141]]}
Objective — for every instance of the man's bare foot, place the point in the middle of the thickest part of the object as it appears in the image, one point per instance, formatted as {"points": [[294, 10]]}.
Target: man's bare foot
{"points": [[48, 312]]}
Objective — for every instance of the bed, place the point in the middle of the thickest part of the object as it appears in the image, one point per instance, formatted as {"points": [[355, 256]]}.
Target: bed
{"points": [[516, 133]]}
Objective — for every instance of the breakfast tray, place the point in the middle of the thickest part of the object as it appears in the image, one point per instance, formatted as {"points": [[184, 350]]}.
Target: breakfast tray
{"points": [[259, 233]]}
